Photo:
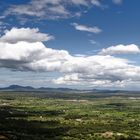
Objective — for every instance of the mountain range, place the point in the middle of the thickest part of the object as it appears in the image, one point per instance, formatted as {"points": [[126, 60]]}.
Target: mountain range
{"points": [[48, 89]]}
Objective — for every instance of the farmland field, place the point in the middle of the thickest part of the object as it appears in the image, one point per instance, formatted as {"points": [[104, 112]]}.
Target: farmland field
{"points": [[69, 116]]}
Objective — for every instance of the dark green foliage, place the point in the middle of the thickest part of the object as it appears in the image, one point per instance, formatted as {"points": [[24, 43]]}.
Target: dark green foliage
{"points": [[78, 116]]}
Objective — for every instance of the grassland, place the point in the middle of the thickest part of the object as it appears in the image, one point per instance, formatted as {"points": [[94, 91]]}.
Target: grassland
{"points": [[69, 116]]}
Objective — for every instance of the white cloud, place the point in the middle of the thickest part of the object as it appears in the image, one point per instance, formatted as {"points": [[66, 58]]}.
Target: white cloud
{"points": [[2, 17], [121, 49], [80, 2], [86, 2], [74, 79], [30, 56], [95, 70], [92, 41], [24, 34], [85, 28], [96, 2], [117, 1], [50, 9]]}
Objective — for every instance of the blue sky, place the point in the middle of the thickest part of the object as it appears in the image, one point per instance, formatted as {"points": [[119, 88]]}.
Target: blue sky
{"points": [[104, 34]]}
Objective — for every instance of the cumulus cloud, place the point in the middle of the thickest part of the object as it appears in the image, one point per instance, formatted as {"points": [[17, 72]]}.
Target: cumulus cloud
{"points": [[30, 56], [95, 70], [85, 28], [121, 49], [24, 34], [50, 9], [75, 79], [101, 71]]}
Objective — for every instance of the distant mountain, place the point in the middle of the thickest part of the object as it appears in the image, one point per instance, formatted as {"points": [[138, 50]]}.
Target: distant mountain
{"points": [[55, 90], [29, 88], [106, 91], [17, 88]]}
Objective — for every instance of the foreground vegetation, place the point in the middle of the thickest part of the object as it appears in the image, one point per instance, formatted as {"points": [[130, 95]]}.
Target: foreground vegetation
{"points": [[79, 116]]}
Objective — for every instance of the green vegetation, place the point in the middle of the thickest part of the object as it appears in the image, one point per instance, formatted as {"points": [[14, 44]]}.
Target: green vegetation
{"points": [[79, 116]]}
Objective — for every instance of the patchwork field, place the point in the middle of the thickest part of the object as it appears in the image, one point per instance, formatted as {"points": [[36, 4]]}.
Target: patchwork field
{"points": [[69, 116]]}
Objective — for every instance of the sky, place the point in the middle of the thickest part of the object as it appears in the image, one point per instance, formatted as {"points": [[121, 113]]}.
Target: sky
{"points": [[82, 44]]}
